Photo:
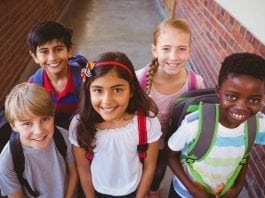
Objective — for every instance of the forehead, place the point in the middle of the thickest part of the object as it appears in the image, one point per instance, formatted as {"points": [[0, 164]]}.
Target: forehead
{"points": [[109, 80], [173, 36], [243, 84], [51, 44]]}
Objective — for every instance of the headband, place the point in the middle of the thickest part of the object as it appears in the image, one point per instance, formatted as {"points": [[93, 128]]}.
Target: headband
{"points": [[88, 71]]}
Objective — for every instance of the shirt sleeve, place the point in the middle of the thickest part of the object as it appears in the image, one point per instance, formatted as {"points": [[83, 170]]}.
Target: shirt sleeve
{"points": [[153, 129], [9, 183], [260, 138], [73, 131], [200, 82]]}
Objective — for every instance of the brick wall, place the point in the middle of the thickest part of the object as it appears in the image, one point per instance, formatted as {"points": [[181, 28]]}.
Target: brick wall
{"points": [[17, 18], [217, 34]]}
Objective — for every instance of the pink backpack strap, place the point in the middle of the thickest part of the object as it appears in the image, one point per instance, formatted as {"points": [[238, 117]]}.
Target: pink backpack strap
{"points": [[142, 133], [192, 80], [143, 78]]}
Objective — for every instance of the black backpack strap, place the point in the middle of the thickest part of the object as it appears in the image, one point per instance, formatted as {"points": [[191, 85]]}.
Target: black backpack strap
{"points": [[19, 162], [60, 142], [208, 118], [142, 132]]}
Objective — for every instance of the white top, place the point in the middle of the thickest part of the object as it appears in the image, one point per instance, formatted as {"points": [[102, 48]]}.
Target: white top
{"points": [[223, 157], [116, 168]]}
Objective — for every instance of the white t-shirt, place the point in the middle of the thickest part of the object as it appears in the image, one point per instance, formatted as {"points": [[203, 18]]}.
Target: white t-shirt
{"points": [[222, 159], [116, 168]]}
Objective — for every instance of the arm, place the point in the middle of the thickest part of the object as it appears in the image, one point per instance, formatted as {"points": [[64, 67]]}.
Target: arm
{"points": [[83, 167], [239, 182], [18, 194], [195, 189], [149, 166], [72, 181]]}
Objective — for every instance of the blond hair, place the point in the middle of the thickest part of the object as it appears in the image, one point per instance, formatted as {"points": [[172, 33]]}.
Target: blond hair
{"points": [[175, 23], [27, 98]]}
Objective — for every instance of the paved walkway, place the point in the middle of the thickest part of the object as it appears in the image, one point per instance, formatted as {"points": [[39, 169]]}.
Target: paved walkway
{"points": [[116, 25]]}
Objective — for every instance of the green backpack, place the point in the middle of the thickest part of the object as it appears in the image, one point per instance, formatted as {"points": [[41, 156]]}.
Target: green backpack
{"points": [[205, 100]]}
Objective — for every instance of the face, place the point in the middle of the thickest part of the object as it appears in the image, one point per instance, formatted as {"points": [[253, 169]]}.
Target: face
{"points": [[35, 131], [172, 50], [240, 98], [110, 97], [52, 56]]}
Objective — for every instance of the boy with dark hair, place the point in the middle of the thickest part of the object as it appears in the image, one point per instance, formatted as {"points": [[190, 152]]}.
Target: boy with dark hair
{"points": [[240, 91], [50, 47], [38, 160]]}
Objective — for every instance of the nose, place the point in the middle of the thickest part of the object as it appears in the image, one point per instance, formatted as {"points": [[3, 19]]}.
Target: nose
{"points": [[107, 97], [242, 105], [52, 56], [37, 129], [174, 54]]}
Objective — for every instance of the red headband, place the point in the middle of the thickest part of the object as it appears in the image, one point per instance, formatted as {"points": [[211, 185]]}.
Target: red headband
{"points": [[115, 64]]}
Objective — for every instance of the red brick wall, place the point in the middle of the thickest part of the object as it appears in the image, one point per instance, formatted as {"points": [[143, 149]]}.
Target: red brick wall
{"points": [[17, 18], [217, 34]]}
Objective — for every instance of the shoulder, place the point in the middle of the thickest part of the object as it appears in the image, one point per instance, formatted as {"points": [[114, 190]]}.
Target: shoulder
{"points": [[199, 79], [153, 129], [141, 72], [37, 77], [260, 138], [73, 130]]}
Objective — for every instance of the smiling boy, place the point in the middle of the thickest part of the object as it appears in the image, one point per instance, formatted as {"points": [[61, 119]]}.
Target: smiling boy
{"points": [[240, 90]]}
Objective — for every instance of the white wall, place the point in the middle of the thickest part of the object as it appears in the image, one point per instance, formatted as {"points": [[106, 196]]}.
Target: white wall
{"points": [[250, 14]]}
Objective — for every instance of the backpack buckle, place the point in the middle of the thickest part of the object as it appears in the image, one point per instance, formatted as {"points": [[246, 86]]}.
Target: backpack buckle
{"points": [[142, 147], [189, 160], [89, 155]]}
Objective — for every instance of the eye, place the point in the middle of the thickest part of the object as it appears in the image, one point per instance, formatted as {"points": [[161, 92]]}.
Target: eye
{"points": [[44, 51], [58, 49], [46, 119], [255, 100], [118, 90], [97, 91], [231, 97], [165, 48]]}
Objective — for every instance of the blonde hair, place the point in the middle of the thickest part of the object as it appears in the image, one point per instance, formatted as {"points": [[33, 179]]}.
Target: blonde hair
{"points": [[175, 23], [28, 98]]}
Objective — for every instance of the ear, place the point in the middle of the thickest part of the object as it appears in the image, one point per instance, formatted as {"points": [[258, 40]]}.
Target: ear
{"points": [[154, 50], [13, 128], [217, 90], [35, 58]]}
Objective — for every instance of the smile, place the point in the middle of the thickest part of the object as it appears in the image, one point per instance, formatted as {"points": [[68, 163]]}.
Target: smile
{"points": [[238, 116]]}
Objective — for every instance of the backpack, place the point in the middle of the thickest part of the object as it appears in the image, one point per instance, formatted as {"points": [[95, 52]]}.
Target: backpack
{"points": [[192, 84], [5, 129], [19, 159], [142, 134], [205, 100]]}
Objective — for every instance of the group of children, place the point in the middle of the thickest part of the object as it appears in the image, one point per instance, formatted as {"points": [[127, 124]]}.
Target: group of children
{"points": [[112, 120]]}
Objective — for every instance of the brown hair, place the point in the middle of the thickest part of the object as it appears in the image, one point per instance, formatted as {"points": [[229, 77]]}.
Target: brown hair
{"points": [[175, 23]]}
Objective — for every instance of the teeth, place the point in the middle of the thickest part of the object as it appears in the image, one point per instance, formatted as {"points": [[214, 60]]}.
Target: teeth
{"points": [[238, 116], [108, 109], [39, 139], [172, 65], [54, 64]]}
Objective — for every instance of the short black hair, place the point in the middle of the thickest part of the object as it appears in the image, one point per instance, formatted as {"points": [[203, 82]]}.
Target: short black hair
{"points": [[47, 31], [239, 64]]}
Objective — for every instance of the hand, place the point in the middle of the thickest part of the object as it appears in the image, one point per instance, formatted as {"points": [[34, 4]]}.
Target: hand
{"points": [[232, 192], [200, 192]]}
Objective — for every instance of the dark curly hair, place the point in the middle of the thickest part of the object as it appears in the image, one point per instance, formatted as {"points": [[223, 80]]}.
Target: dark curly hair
{"points": [[238, 64], [47, 31], [86, 129]]}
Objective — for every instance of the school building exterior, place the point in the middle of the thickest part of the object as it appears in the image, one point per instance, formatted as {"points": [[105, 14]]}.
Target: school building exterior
{"points": [[216, 34]]}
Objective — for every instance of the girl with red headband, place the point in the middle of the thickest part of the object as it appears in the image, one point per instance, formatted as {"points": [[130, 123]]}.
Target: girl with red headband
{"points": [[105, 133]]}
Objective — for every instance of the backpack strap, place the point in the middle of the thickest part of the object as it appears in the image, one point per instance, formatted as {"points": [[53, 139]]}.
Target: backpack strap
{"points": [[142, 133], [19, 158], [60, 142], [208, 119], [143, 78], [191, 80], [37, 77], [143, 145], [251, 128], [19, 162]]}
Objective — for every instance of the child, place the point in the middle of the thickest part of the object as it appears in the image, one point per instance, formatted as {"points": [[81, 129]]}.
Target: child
{"points": [[167, 77], [240, 91], [107, 126], [50, 47], [30, 112]]}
